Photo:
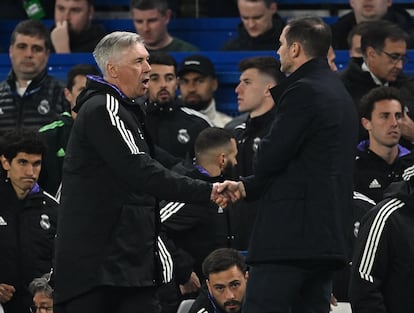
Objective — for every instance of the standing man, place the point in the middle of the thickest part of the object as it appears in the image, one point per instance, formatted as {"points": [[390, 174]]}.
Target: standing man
{"points": [[303, 177], [151, 19], [74, 31], [172, 126], [198, 83], [27, 219], [259, 27], [29, 97], [108, 254]]}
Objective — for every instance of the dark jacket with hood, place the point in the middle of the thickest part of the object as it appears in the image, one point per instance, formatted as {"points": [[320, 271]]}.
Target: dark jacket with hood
{"points": [[111, 186], [382, 278], [342, 27], [267, 41]]}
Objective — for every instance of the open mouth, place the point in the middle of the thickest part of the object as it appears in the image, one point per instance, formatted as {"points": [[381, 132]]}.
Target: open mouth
{"points": [[145, 82]]}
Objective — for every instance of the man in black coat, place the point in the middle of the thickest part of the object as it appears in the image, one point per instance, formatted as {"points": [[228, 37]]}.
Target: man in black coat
{"points": [[109, 256], [303, 177]]}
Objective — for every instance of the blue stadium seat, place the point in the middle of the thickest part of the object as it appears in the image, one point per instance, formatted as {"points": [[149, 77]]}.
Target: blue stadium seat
{"points": [[226, 64]]}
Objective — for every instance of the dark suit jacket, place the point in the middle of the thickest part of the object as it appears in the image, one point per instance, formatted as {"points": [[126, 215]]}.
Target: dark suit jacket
{"points": [[303, 173]]}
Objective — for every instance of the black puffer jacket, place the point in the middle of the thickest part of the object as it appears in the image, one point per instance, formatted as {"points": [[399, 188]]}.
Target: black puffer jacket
{"points": [[41, 104]]}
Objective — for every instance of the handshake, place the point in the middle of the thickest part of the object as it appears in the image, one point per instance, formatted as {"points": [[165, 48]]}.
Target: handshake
{"points": [[227, 191]]}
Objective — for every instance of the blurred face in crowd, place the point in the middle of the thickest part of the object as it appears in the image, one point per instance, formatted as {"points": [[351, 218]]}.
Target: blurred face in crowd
{"points": [[163, 83], [286, 61], [355, 48], [29, 56], [256, 16], [331, 57], [129, 71], [228, 288], [79, 83], [253, 90], [151, 25], [78, 14], [197, 90], [388, 63], [369, 10], [383, 128], [23, 171]]}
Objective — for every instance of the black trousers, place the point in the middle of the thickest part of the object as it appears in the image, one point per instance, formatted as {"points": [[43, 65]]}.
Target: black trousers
{"points": [[285, 288], [108, 299]]}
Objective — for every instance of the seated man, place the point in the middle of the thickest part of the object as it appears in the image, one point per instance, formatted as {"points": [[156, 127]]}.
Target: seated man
{"points": [[199, 229], [382, 266], [198, 82], [29, 97], [42, 295], [151, 18], [260, 27], [172, 126], [363, 11], [384, 50], [74, 31], [381, 160], [257, 76], [27, 219], [226, 278]]}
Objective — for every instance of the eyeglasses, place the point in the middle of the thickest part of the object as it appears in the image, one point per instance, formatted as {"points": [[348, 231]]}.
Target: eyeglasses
{"points": [[396, 57], [41, 309]]}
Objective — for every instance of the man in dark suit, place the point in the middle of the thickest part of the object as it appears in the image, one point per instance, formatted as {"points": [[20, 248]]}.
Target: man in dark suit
{"points": [[303, 177]]}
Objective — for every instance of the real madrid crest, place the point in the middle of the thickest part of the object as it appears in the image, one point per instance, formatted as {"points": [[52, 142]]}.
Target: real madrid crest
{"points": [[44, 222], [44, 107], [183, 136], [256, 142]]}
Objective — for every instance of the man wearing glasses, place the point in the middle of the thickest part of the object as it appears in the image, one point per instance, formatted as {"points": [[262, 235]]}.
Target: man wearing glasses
{"points": [[384, 49]]}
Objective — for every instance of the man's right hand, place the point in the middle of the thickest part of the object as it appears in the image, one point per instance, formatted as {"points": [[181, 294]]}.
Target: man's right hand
{"points": [[6, 292], [60, 37]]}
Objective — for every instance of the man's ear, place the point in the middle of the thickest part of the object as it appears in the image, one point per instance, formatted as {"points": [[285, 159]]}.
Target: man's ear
{"points": [[68, 95], [295, 49], [366, 123], [208, 286], [5, 163], [112, 70]]}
